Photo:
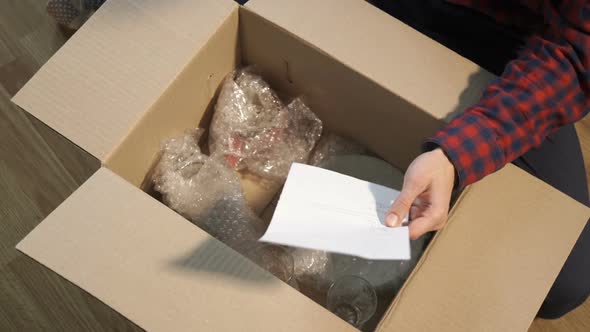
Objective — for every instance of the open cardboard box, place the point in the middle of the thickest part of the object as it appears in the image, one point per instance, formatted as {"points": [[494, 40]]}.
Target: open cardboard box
{"points": [[141, 71]]}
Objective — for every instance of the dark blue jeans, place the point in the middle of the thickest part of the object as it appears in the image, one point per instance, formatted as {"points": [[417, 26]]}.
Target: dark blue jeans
{"points": [[558, 161]]}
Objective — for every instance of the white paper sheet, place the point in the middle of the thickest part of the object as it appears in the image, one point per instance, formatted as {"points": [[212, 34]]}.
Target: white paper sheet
{"points": [[324, 210]]}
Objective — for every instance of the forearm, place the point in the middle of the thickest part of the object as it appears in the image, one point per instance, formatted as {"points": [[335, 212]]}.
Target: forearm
{"points": [[546, 87]]}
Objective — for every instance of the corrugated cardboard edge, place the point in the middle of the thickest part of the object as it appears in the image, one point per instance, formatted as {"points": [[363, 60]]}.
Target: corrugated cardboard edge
{"points": [[179, 107], [89, 92], [582, 212], [160, 271], [424, 257]]}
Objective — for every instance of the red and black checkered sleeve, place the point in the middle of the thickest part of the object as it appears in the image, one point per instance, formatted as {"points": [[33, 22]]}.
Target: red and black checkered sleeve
{"points": [[545, 88]]}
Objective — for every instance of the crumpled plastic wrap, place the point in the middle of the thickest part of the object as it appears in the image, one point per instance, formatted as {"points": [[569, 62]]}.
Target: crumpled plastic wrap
{"points": [[310, 264], [221, 209], [331, 145], [205, 191], [252, 129], [174, 175]]}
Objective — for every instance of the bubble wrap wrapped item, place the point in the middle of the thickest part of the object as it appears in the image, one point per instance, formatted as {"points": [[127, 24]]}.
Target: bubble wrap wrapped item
{"points": [[310, 264], [205, 191], [252, 129], [221, 208], [180, 161], [331, 145]]}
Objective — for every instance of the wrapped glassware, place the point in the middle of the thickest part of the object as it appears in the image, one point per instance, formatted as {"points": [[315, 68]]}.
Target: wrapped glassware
{"points": [[205, 191], [253, 130], [276, 260], [353, 299], [174, 175], [331, 145]]}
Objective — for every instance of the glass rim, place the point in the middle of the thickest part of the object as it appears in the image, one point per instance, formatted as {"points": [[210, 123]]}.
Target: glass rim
{"points": [[364, 282], [282, 252]]}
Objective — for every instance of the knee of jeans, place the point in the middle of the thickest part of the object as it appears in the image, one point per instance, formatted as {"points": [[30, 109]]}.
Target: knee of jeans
{"points": [[562, 300]]}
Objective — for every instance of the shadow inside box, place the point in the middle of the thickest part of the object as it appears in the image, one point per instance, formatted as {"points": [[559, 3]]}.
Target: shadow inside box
{"points": [[212, 256], [233, 231]]}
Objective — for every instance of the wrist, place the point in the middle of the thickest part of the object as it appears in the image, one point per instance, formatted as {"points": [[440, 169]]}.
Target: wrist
{"points": [[447, 166]]}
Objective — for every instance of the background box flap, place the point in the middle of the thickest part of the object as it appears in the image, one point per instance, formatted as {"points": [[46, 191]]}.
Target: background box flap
{"points": [[98, 85], [493, 264], [401, 59], [159, 270]]}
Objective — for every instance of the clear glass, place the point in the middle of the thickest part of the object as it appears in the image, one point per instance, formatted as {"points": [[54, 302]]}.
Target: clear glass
{"points": [[353, 299], [276, 260]]}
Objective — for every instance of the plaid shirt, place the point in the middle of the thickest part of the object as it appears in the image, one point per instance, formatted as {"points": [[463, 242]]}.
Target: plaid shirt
{"points": [[545, 88], [72, 13]]}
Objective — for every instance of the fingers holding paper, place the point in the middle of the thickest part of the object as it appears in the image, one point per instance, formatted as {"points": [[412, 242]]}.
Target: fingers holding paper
{"points": [[426, 194]]}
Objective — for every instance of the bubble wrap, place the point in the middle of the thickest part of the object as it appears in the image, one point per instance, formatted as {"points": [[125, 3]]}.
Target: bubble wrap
{"points": [[221, 208], [312, 264], [331, 145], [205, 191], [174, 175], [252, 129]]}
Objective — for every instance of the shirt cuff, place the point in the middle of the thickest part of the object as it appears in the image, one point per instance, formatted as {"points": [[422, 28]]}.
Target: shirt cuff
{"points": [[471, 146]]}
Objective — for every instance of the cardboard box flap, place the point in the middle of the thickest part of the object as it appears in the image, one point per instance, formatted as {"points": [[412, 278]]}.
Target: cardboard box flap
{"points": [[159, 270], [384, 49], [98, 85], [493, 264]]}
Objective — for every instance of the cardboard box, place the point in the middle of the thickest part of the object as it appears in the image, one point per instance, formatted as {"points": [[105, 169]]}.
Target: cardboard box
{"points": [[141, 71]]}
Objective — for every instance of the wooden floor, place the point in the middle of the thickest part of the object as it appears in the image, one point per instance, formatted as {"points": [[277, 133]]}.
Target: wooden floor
{"points": [[39, 169]]}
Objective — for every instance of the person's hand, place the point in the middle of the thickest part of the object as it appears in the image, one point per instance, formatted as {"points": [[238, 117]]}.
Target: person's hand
{"points": [[426, 194]]}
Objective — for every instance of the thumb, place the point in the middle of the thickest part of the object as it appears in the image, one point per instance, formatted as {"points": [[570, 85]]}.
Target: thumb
{"points": [[401, 207]]}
